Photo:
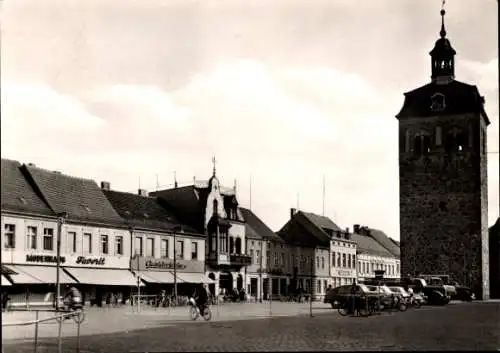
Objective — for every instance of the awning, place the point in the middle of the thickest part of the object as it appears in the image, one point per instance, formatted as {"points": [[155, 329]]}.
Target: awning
{"points": [[157, 276], [194, 278], [5, 281], [38, 275], [103, 276]]}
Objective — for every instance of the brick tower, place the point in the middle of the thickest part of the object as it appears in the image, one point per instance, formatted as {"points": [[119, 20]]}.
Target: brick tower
{"points": [[443, 176]]}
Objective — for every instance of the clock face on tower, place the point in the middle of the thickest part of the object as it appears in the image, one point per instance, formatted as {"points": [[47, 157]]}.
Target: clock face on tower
{"points": [[438, 102]]}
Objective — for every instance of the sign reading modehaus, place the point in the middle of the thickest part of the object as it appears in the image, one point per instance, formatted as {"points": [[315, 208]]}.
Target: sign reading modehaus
{"points": [[153, 264], [41, 258]]}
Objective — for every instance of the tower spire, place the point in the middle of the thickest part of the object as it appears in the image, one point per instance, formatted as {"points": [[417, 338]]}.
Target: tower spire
{"points": [[442, 33], [214, 161]]}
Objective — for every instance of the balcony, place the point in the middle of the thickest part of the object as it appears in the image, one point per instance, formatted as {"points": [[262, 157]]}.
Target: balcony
{"points": [[240, 259], [236, 260]]}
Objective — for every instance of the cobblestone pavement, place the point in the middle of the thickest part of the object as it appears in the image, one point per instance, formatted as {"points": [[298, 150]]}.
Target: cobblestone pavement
{"points": [[474, 326], [112, 320]]}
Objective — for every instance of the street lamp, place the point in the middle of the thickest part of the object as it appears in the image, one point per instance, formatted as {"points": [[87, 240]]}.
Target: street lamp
{"points": [[260, 270], [60, 221], [175, 260]]}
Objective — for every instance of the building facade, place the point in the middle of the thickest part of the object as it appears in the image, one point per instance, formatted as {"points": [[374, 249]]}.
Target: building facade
{"points": [[343, 252], [52, 206], [443, 176], [157, 238], [213, 211], [309, 239], [269, 271]]}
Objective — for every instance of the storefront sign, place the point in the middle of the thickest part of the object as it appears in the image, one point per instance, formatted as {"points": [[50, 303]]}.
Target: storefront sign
{"points": [[44, 258], [82, 260], [345, 273], [154, 264], [161, 264]]}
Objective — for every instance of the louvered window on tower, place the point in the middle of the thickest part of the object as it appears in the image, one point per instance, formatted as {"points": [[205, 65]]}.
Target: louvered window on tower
{"points": [[461, 141]]}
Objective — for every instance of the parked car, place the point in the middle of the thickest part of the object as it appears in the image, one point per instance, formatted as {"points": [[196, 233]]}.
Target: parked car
{"points": [[384, 293], [463, 293], [336, 296], [399, 291]]}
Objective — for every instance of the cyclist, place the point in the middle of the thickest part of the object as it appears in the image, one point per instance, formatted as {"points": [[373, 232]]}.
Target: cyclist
{"points": [[202, 298], [74, 296]]}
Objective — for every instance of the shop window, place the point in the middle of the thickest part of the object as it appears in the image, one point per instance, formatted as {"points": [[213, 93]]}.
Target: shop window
{"points": [[119, 245], [10, 236], [164, 249], [104, 244], [150, 247], [72, 241], [194, 251], [179, 249], [31, 238], [139, 251], [48, 239]]}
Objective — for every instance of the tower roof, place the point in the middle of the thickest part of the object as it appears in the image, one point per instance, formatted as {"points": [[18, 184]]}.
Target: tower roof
{"points": [[442, 48]]}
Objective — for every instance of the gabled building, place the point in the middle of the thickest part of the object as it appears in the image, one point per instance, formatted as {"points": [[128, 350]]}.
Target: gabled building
{"points": [[380, 237], [308, 239], [269, 272], [213, 211], [372, 256], [159, 238], [95, 243]]}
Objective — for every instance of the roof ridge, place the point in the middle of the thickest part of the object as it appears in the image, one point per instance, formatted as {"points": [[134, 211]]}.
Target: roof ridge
{"points": [[57, 173]]}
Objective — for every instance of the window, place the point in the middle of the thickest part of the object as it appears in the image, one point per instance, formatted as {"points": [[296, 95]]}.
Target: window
{"points": [[275, 255], [353, 261], [150, 247], [164, 249], [87, 243], [438, 136], [257, 255], [48, 239], [359, 266], [317, 261], [31, 237], [139, 251], [426, 144], [119, 245], [215, 205], [338, 260], [194, 251], [348, 260], [344, 260], [318, 289], [10, 236], [72, 242], [372, 267], [462, 141], [251, 256], [179, 249], [322, 262], [268, 257], [397, 269], [282, 259], [333, 259], [104, 244]]}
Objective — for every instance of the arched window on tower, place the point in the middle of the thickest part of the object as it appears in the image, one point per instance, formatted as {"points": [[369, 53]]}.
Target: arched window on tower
{"points": [[461, 140], [449, 141], [438, 135], [215, 206]]}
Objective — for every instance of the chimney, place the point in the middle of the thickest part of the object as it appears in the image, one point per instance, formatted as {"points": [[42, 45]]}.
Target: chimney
{"points": [[356, 228], [143, 192], [105, 185], [347, 230], [176, 184], [293, 211]]}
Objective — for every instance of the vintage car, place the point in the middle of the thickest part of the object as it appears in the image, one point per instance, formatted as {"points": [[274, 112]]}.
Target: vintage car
{"points": [[338, 295]]}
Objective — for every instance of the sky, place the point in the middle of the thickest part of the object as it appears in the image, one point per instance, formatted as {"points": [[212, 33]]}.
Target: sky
{"points": [[284, 93]]}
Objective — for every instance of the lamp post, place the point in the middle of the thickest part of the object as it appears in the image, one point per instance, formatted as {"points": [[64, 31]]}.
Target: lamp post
{"points": [[311, 287], [60, 221], [175, 268], [270, 280], [260, 270]]}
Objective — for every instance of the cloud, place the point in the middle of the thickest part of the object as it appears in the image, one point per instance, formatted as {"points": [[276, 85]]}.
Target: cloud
{"points": [[484, 72]]}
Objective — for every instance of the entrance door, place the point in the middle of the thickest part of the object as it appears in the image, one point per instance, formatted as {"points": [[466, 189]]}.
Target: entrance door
{"points": [[265, 284], [253, 287], [283, 287], [226, 282], [239, 282]]}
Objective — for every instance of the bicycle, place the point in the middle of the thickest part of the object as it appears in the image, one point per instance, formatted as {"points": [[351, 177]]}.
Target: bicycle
{"points": [[355, 305], [194, 312], [78, 314]]}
